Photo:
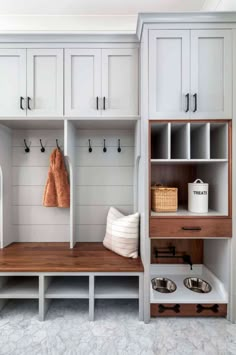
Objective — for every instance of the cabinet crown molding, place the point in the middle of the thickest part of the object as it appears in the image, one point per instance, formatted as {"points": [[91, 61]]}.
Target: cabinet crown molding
{"points": [[184, 17]]}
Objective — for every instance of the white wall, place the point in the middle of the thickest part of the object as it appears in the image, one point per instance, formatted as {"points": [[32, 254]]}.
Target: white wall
{"points": [[219, 5], [31, 220], [6, 234], [102, 180]]}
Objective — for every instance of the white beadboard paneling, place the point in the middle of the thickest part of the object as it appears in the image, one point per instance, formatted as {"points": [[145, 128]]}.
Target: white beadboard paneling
{"points": [[96, 136], [33, 158], [48, 137], [104, 176], [110, 158], [90, 233], [90, 215], [27, 195], [29, 176], [104, 195], [85, 195], [31, 221], [41, 233], [40, 215], [102, 180]]}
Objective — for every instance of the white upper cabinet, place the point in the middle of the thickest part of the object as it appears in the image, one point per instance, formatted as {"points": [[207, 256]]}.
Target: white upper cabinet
{"points": [[31, 82], [101, 82], [13, 82], [211, 74], [45, 82], [82, 82], [169, 62], [119, 82], [190, 74]]}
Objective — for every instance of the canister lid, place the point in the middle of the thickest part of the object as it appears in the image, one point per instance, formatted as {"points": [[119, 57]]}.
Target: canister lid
{"points": [[198, 182]]}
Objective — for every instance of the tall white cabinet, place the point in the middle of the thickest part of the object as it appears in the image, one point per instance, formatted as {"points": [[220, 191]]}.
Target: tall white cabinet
{"points": [[187, 68], [191, 74]]}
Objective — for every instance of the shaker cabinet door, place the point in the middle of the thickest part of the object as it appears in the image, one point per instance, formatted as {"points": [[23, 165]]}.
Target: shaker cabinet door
{"points": [[211, 74], [169, 73], [119, 82], [13, 82], [83, 82], [45, 82]]}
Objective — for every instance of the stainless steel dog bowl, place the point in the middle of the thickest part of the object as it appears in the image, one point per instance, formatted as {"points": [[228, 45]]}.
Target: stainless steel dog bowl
{"points": [[163, 285], [197, 285]]}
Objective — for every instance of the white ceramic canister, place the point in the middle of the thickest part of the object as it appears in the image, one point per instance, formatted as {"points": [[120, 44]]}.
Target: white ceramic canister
{"points": [[198, 197]]}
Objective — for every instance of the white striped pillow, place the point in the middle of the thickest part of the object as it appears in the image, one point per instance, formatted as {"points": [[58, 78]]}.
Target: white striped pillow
{"points": [[122, 233]]}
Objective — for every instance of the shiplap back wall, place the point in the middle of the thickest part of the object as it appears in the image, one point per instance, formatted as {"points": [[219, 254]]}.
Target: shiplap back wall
{"points": [[31, 221], [102, 179]]}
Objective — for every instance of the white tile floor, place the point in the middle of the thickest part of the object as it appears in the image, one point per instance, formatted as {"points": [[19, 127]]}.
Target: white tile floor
{"points": [[116, 330]]}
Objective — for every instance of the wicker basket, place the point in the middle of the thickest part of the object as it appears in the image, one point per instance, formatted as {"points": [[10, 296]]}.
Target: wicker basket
{"points": [[164, 199]]}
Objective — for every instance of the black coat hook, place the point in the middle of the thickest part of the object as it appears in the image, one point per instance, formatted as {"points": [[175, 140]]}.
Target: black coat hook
{"points": [[119, 148], [27, 149], [90, 148], [42, 147], [58, 147], [104, 146]]}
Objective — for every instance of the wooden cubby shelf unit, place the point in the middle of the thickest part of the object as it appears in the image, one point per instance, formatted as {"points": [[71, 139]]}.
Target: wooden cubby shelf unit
{"points": [[88, 271], [195, 150]]}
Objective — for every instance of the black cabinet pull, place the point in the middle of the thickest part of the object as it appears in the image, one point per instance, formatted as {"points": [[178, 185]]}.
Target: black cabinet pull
{"points": [[21, 103], [97, 102], [191, 228], [175, 308], [195, 102], [28, 103], [187, 98], [214, 308], [104, 103]]}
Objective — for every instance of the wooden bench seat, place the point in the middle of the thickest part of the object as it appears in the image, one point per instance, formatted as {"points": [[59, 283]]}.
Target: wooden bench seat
{"points": [[57, 257]]}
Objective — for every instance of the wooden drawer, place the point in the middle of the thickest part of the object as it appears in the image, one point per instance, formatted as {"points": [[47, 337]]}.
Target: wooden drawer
{"points": [[188, 310], [190, 227]]}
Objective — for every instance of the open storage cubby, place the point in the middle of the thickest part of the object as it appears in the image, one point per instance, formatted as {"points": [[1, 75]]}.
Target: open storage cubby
{"points": [[126, 287], [200, 140], [67, 287], [179, 141], [19, 287], [189, 140], [199, 150], [219, 141], [105, 175], [24, 175], [210, 259], [105, 163], [160, 141], [179, 175]]}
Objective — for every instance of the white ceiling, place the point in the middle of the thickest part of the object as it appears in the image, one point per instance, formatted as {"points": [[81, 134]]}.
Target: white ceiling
{"points": [[95, 7], [91, 16]]}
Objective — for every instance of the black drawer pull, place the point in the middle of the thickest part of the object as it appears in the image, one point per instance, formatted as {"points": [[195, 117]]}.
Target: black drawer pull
{"points": [[195, 102], [191, 228], [187, 106], [97, 102], [21, 103], [201, 308], [28, 103], [104, 103], [175, 308]]}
